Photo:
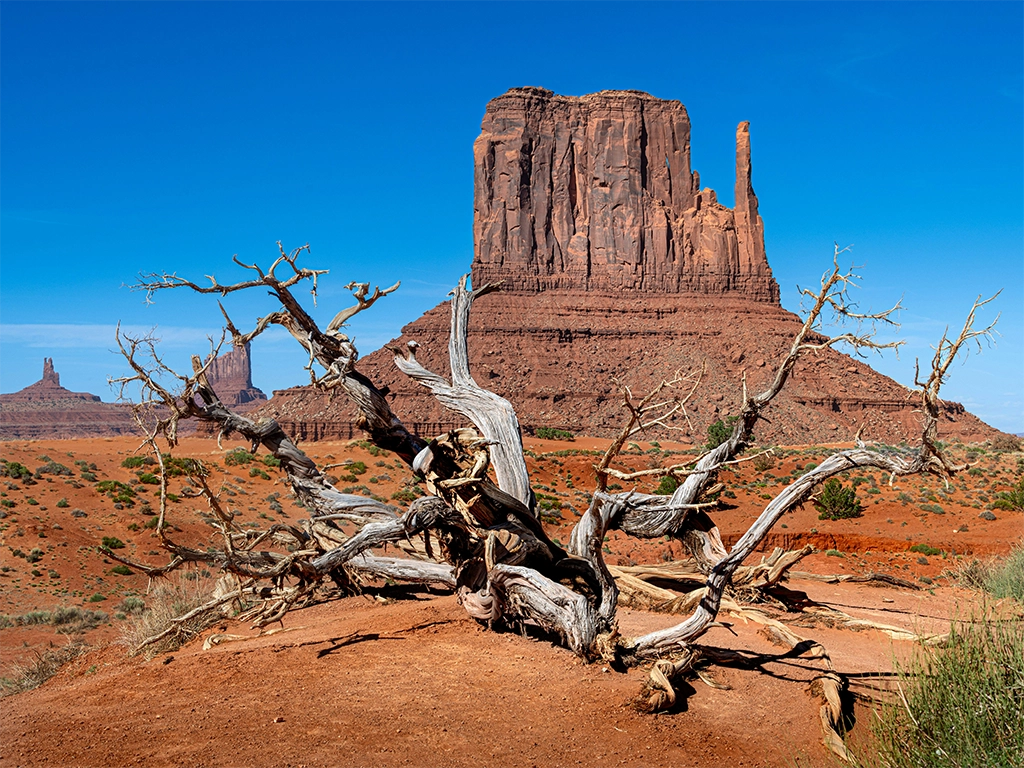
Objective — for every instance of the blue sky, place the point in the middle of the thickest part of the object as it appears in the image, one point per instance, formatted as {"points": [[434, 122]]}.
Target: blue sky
{"points": [[170, 136]]}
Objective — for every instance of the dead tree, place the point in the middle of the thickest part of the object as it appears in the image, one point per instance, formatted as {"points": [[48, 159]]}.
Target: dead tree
{"points": [[481, 512]]}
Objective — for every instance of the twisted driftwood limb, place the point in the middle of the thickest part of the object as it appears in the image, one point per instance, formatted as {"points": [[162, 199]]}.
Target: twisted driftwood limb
{"points": [[677, 637], [866, 578], [770, 570], [677, 517], [399, 569], [491, 414], [658, 694], [522, 592], [586, 540]]}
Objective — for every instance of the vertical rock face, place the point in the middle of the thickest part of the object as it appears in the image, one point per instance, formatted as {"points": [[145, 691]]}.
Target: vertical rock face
{"points": [[230, 376], [595, 193]]}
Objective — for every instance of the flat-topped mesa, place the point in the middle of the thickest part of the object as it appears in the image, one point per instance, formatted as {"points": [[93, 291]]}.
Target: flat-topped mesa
{"points": [[595, 193]]}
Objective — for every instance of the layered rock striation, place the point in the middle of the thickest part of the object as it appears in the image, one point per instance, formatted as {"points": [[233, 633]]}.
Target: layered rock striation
{"points": [[45, 409], [616, 267], [595, 193]]}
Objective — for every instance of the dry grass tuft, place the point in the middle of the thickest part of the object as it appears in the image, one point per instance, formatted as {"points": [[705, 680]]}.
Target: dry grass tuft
{"points": [[47, 662], [164, 607]]}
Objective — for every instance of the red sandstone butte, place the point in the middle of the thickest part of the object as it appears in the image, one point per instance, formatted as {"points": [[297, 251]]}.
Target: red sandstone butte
{"points": [[230, 375], [48, 410], [615, 266]]}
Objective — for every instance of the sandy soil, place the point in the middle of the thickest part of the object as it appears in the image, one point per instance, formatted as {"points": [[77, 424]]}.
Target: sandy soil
{"points": [[415, 682], [405, 678]]}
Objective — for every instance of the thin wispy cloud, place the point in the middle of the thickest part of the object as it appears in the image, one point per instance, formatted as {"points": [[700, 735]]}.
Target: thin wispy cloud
{"points": [[98, 336]]}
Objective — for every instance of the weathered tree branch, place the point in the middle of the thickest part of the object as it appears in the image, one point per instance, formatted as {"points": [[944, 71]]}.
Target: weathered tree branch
{"points": [[491, 414]]}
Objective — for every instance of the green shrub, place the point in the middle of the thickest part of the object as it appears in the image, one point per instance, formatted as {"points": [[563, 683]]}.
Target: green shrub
{"points": [[238, 457], [134, 462], [667, 486], [148, 478], [121, 570], [63, 503], [112, 542], [357, 467], [35, 555], [958, 705], [257, 472], [14, 470], [175, 466], [370, 448], [1012, 499], [408, 494], [117, 491], [271, 461], [1008, 580], [53, 468], [97, 597], [924, 549], [836, 502], [720, 431], [132, 605], [550, 433]]}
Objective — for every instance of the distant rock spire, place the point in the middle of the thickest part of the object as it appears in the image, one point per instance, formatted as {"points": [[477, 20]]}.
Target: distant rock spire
{"points": [[50, 376], [749, 227]]}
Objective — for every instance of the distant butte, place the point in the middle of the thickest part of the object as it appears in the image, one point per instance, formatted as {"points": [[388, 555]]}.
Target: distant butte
{"points": [[617, 266], [231, 377], [48, 410]]}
